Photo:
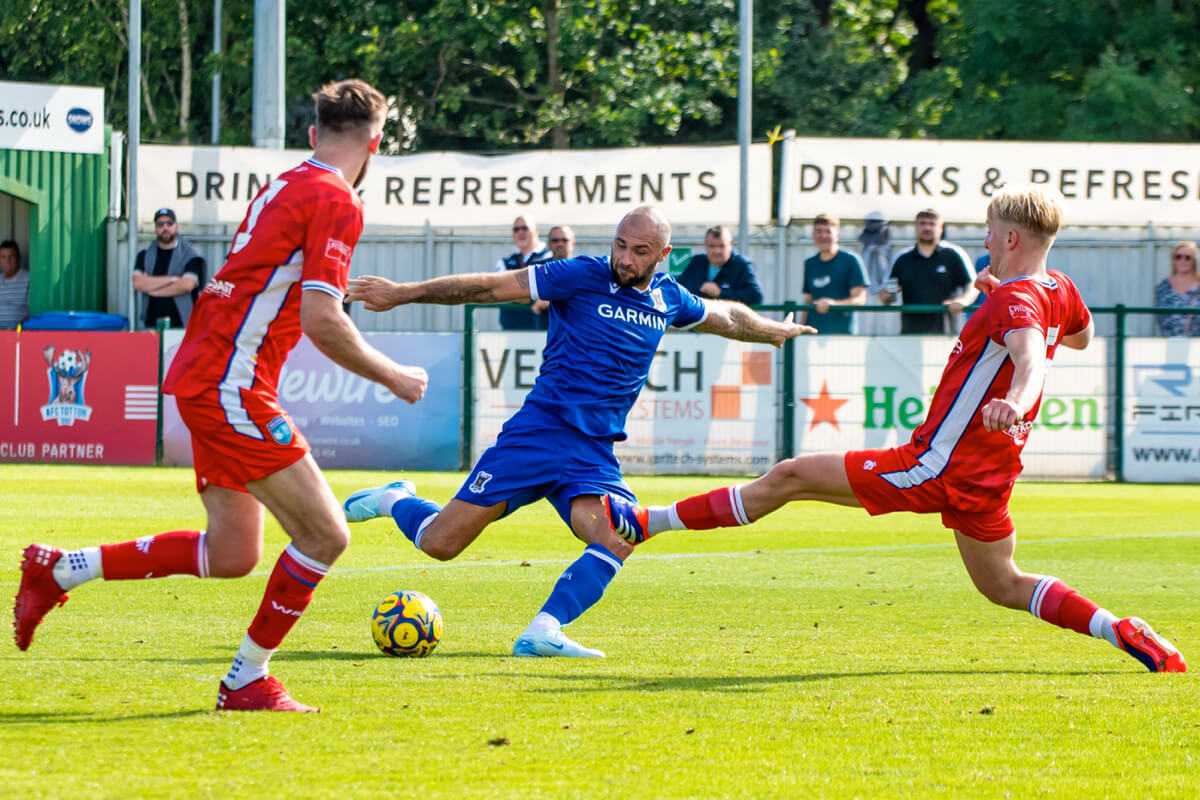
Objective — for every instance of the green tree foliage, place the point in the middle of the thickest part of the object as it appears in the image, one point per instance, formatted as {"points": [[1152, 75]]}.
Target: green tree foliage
{"points": [[482, 75]]}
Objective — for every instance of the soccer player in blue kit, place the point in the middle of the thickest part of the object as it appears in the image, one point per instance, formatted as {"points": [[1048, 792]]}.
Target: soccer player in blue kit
{"points": [[607, 317]]}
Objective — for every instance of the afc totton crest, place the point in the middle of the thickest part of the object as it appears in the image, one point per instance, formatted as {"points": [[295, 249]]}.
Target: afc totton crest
{"points": [[67, 374]]}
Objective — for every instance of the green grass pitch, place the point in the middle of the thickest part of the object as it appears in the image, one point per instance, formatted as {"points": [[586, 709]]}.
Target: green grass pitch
{"points": [[817, 653]]}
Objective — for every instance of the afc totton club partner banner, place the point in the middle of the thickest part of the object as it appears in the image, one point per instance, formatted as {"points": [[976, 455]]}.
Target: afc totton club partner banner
{"points": [[707, 407], [695, 185], [1102, 184], [855, 393]]}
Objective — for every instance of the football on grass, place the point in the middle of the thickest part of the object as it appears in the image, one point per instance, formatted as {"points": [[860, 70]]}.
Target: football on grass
{"points": [[406, 624]]}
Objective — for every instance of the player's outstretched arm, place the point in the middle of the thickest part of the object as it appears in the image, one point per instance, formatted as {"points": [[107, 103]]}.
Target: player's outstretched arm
{"points": [[331, 330], [380, 294], [1027, 349], [736, 321]]}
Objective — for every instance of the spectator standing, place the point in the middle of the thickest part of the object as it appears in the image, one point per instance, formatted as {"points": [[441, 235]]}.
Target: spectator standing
{"points": [[833, 277], [530, 250], [1180, 289], [14, 286], [562, 242], [720, 272], [931, 272], [169, 275]]}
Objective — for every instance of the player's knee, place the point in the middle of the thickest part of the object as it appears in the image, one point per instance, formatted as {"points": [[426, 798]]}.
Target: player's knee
{"points": [[233, 563], [440, 549]]}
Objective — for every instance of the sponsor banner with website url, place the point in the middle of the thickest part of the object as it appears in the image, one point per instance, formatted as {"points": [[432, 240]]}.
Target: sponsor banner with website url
{"points": [[1102, 184], [708, 406], [42, 116], [1162, 410], [855, 393], [78, 397], [693, 185], [351, 422]]}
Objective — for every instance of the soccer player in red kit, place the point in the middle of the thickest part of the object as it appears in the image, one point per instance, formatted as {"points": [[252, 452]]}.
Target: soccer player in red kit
{"points": [[963, 460], [286, 273]]}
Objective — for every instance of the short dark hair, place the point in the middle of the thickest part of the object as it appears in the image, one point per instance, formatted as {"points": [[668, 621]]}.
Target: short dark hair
{"points": [[9, 244], [827, 219], [719, 231], [929, 213], [345, 106]]}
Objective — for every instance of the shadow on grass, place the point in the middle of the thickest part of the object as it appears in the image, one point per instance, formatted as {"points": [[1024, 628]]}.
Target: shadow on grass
{"points": [[72, 717], [749, 683]]}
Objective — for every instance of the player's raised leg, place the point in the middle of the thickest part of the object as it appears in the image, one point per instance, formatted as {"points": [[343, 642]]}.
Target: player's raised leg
{"points": [[992, 569], [820, 476], [580, 587], [228, 548]]}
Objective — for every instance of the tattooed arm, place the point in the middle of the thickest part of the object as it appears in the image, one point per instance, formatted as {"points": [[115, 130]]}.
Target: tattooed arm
{"points": [[380, 294], [736, 321]]}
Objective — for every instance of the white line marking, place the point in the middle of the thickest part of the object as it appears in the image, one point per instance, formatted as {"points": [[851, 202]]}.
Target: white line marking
{"points": [[743, 553]]}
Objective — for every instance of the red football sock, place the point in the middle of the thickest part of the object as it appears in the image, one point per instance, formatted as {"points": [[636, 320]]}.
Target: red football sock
{"points": [[289, 591], [1061, 605], [720, 508], [171, 553]]}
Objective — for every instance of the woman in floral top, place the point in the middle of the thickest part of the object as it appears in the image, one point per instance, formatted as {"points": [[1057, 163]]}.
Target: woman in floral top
{"points": [[1180, 290]]}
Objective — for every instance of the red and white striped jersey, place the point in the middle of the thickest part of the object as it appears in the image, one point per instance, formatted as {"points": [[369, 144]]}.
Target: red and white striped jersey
{"points": [[298, 235], [952, 442]]}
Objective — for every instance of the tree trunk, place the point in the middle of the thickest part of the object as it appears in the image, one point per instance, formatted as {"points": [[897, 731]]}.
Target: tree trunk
{"points": [[185, 75], [559, 138]]}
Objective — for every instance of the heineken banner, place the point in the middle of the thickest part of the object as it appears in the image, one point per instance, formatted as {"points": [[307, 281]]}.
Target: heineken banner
{"points": [[708, 407], [856, 393], [1162, 410]]}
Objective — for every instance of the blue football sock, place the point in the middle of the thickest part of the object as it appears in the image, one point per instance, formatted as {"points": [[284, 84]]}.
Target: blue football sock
{"points": [[582, 584], [410, 513]]}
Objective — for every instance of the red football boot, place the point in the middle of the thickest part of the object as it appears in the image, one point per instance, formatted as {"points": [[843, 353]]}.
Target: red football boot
{"points": [[1143, 643], [39, 591], [264, 694]]}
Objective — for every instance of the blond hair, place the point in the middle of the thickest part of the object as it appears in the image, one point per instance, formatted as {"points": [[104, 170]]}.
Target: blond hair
{"points": [[1186, 243], [1034, 208]]}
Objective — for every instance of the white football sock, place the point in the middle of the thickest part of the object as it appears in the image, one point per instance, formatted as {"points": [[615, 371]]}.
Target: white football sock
{"points": [[249, 664], [77, 566], [662, 518], [389, 498], [542, 623], [1101, 627]]}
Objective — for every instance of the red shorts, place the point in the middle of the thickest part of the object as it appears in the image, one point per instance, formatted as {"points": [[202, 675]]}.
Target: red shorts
{"points": [[981, 517], [247, 443]]}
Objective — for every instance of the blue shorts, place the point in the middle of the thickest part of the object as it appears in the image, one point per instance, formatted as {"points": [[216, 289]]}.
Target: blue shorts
{"points": [[538, 455]]}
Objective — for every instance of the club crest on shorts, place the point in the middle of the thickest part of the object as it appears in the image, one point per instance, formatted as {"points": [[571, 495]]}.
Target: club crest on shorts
{"points": [[280, 431], [481, 480]]}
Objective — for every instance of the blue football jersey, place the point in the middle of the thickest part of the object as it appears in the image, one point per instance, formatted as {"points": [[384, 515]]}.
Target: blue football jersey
{"points": [[602, 340]]}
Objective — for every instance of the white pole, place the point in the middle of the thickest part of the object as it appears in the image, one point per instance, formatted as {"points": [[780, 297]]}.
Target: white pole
{"points": [[135, 137], [745, 89]]}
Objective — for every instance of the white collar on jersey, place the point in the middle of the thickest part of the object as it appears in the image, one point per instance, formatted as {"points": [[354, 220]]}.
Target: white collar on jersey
{"points": [[326, 167]]}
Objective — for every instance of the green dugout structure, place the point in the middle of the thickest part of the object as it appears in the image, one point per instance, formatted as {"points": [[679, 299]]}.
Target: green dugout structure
{"points": [[55, 205]]}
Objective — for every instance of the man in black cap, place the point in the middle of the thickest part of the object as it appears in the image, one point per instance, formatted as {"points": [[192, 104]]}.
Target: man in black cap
{"points": [[169, 275]]}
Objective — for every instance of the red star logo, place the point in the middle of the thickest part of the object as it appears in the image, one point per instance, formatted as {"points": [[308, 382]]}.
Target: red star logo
{"points": [[824, 408]]}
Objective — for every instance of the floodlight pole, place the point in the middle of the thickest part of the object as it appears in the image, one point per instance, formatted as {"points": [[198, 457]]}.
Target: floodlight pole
{"points": [[745, 88], [135, 136]]}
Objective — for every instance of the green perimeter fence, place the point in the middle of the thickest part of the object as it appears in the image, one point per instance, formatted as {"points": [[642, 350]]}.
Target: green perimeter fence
{"points": [[787, 401]]}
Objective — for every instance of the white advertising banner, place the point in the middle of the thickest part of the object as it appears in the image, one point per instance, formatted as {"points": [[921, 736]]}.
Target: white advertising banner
{"points": [[708, 407], [42, 116], [693, 185], [1103, 184], [1162, 410], [855, 393]]}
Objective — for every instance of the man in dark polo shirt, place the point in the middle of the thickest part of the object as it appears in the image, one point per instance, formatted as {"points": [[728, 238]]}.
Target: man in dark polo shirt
{"points": [[930, 273]]}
